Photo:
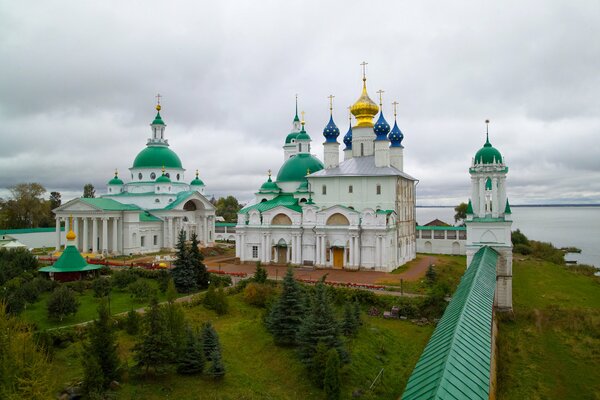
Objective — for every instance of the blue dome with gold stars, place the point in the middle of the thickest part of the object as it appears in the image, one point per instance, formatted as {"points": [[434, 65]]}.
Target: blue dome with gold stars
{"points": [[396, 136], [348, 138], [331, 131], [381, 128]]}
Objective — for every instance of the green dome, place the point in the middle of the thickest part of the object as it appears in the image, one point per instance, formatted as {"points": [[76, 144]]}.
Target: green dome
{"points": [[163, 179], [294, 169], [197, 182], [158, 119], [155, 156], [269, 187], [303, 187], [488, 154], [290, 137], [115, 181], [302, 135]]}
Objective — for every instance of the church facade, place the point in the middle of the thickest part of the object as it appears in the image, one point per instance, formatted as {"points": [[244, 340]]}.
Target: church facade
{"points": [[145, 214], [358, 213]]}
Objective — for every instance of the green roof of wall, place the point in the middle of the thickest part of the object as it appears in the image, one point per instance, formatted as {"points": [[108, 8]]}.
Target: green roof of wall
{"points": [[285, 200], [108, 204], [145, 216], [28, 230], [441, 228], [457, 359], [226, 224], [70, 261]]}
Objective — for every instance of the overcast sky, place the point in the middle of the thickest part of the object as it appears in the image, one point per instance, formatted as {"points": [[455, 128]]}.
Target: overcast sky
{"points": [[78, 80]]}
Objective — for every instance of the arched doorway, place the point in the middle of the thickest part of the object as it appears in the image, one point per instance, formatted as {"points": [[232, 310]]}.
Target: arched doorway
{"points": [[282, 252], [337, 252], [455, 248], [428, 247]]}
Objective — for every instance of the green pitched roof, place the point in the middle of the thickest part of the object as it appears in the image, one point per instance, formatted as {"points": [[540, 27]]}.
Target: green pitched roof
{"points": [[28, 230], [295, 168], [470, 207], [158, 119], [456, 362], [70, 261], [108, 204], [507, 209], [440, 228], [145, 216], [285, 200], [157, 156]]}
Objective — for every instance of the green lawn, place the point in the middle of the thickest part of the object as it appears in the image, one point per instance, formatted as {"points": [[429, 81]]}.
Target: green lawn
{"points": [[257, 369], [120, 301], [552, 348]]}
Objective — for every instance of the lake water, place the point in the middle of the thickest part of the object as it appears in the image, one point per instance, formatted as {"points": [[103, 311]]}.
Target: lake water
{"points": [[561, 226]]}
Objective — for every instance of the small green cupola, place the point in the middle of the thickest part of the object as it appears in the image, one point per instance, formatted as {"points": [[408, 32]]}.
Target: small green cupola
{"points": [[469, 208], [488, 154], [115, 180], [197, 181], [163, 178], [507, 209], [269, 186]]}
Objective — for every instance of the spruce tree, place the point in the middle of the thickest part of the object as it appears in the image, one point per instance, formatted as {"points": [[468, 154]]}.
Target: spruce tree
{"points": [[93, 379], [196, 258], [210, 340], [319, 326], [349, 323], [132, 322], [356, 311], [175, 325], [287, 314], [102, 348], [260, 275], [184, 273], [155, 349], [331, 381], [216, 369], [318, 362], [191, 359]]}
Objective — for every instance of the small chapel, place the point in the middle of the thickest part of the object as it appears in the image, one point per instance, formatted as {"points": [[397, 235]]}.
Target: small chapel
{"points": [[355, 214], [145, 214]]}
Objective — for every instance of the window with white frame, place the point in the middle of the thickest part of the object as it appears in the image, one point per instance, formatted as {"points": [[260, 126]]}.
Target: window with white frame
{"points": [[254, 251]]}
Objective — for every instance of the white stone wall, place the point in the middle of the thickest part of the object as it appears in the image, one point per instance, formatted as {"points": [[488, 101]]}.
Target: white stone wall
{"points": [[364, 192], [38, 239]]}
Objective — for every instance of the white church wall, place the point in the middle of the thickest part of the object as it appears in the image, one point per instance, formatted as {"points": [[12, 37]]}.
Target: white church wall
{"points": [[364, 192], [36, 238]]}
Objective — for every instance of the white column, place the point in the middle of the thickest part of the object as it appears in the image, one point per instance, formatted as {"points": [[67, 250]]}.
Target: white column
{"points": [[94, 235], [57, 233], [268, 248], [318, 251], [351, 250], [299, 249], [165, 238], [206, 231], [115, 231], [495, 205], [377, 252], [481, 197], [104, 235], [85, 244], [170, 223], [242, 247], [324, 250]]}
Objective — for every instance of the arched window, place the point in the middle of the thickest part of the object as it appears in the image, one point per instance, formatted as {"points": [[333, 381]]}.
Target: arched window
{"points": [[337, 219], [153, 176], [140, 176], [177, 176], [263, 200], [362, 149], [303, 200], [281, 219], [300, 147], [324, 189], [156, 200], [378, 189], [168, 175], [350, 189]]}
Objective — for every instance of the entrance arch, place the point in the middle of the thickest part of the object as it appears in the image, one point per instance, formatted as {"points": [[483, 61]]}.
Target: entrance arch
{"points": [[282, 251]]}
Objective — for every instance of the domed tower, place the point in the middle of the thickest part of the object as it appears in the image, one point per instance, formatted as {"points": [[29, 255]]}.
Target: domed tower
{"points": [[348, 139], [148, 164], [489, 216], [290, 147], [115, 184], [197, 184], [364, 110], [331, 147], [381, 129], [396, 149]]}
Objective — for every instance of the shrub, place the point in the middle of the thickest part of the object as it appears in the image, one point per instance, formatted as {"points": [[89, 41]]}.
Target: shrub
{"points": [[132, 322], [78, 286], [140, 290], [220, 279], [522, 249], [61, 303], [121, 279], [101, 287], [258, 294], [517, 237]]}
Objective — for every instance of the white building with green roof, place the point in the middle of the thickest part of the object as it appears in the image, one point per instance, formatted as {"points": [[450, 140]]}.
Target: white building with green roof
{"points": [[146, 213], [358, 213]]}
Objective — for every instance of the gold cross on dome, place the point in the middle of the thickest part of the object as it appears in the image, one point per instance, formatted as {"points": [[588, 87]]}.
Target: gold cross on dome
{"points": [[395, 103], [269, 172], [302, 113], [330, 97], [364, 68], [158, 97], [380, 92]]}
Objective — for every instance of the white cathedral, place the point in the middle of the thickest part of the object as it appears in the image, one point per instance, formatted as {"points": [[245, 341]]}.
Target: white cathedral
{"points": [[358, 213], [146, 214]]}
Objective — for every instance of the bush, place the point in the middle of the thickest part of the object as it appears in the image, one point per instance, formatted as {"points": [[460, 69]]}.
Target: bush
{"points": [[132, 322], [517, 237], [78, 286], [61, 303], [101, 287], [522, 249], [258, 294], [140, 290], [121, 279], [216, 300], [220, 280]]}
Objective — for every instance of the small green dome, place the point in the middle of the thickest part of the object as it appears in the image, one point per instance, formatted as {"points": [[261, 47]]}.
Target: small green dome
{"points": [[488, 154], [197, 182], [158, 119], [163, 179], [303, 187], [157, 156], [115, 181], [295, 168], [269, 187], [302, 135], [291, 137]]}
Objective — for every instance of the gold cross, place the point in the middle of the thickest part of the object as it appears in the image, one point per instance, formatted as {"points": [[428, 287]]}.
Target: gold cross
{"points": [[364, 67], [395, 104], [380, 92], [269, 172], [330, 97], [158, 96], [302, 113], [350, 114]]}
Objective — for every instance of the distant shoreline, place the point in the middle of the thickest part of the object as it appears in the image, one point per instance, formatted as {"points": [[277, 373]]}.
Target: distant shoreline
{"points": [[528, 205]]}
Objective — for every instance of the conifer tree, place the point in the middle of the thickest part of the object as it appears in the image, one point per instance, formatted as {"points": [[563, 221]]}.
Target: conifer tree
{"points": [[319, 326], [216, 368], [260, 275], [288, 312], [184, 273], [210, 340], [196, 259], [101, 350], [356, 311], [93, 379], [349, 323], [132, 322], [318, 362], [191, 359], [210, 298], [175, 325], [155, 349], [331, 381]]}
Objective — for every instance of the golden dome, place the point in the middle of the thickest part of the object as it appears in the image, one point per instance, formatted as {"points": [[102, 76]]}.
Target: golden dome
{"points": [[364, 109], [71, 235]]}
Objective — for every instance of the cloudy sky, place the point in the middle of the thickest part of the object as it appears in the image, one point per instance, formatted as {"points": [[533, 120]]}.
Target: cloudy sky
{"points": [[78, 80]]}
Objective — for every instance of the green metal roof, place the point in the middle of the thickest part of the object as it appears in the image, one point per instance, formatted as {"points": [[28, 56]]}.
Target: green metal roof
{"points": [[269, 187], [488, 154], [28, 230], [456, 362], [158, 119], [507, 209], [295, 168], [440, 228], [70, 261], [157, 156], [108, 204], [197, 182], [488, 184], [384, 211], [181, 196], [469, 208], [225, 224], [145, 216], [163, 179], [285, 200], [290, 136]]}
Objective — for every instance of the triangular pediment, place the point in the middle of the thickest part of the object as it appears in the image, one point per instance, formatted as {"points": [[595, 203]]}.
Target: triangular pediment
{"points": [[75, 205]]}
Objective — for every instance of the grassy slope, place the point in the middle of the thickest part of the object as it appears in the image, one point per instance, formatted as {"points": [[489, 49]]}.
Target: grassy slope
{"points": [[120, 301], [257, 369], [552, 348]]}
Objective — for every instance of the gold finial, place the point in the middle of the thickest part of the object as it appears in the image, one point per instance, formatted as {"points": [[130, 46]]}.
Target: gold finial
{"points": [[196, 174], [330, 97], [302, 121], [364, 70], [487, 132], [380, 93], [116, 173], [350, 114], [163, 169], [395, 103], [71, 235], [307, 171], [269, 173], [158, 96]]}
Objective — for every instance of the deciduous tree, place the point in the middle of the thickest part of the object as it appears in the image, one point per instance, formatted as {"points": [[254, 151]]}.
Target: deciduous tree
{"points": [[61, 303], [89, 191]]}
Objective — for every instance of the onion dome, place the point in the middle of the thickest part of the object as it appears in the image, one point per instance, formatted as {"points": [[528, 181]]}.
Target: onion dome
{"points": [[302, 135], [269, 186], [71, 235], [154, 156], [381, 128], [115, 180], [294, 168], [197, 181], [396, 136], [331, 131], [348, 135], [163, 178], [488, 154], [364, 109]]}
